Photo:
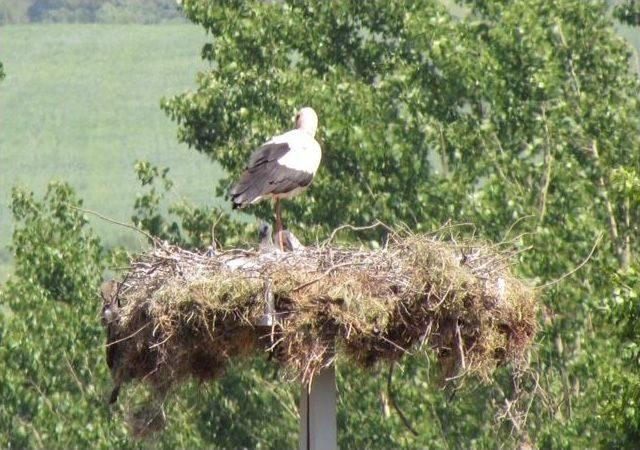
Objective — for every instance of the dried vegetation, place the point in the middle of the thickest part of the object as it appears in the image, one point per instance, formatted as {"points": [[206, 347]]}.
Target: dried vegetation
{"points": [[178, 314]]}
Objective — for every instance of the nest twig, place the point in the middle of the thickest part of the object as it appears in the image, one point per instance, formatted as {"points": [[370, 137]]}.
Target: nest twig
{"points": [[180, 314]]}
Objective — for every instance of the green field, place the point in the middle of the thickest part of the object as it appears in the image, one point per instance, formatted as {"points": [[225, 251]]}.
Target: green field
{"points": [[632, 35], [81, 103]]}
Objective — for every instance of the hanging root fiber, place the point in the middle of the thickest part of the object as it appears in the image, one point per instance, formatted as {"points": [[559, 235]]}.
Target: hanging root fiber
{"points": [[178, 314]]}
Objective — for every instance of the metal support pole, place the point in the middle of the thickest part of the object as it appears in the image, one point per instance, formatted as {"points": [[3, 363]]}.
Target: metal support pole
{"points": [[318, 425]]}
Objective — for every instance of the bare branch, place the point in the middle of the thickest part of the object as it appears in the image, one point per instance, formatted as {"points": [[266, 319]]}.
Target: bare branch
{"points": [[548, 162], [153, 239], [394, 403], [578, 267]]}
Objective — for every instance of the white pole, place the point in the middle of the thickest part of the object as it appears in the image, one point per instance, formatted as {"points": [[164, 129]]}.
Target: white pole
{"points": [[318, 425]]}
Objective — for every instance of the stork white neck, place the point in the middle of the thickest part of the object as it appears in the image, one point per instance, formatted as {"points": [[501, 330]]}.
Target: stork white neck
{"points": [[307, 121]]}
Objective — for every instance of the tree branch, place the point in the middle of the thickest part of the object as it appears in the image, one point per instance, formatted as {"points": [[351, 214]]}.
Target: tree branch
{"points": [[392, 399], [578, 267], [548, 160], [604, 193]]}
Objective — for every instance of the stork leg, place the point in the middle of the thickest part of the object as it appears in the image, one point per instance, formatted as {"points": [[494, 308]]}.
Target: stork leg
{"points": [[279, 225]]}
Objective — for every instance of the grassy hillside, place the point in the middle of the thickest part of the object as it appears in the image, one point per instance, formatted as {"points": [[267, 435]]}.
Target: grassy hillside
{"points": [[81, 103]]}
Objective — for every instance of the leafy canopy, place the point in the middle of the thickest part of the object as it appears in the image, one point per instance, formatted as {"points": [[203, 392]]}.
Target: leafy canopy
{"points": [[521, 117]]}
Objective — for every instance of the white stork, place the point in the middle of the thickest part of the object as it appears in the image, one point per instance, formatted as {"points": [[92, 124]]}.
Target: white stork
{"points": [[282, 167]]}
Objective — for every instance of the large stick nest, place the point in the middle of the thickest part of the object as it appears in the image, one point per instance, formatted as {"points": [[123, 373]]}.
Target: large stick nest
{"points": [[179, 314]]}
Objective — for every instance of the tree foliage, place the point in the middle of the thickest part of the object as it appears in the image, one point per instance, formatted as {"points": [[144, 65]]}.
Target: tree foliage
{"points": [[54, 376], [522, 116], [183, 223], [628, 12], [51, 372]]}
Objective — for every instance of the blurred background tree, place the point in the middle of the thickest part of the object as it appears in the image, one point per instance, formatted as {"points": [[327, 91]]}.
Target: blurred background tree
{"points": [[628, 12], [89, 11], [519, 116]]}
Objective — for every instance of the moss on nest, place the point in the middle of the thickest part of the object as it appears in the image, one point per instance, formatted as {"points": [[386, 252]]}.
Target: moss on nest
{"points": [[179, 314]]}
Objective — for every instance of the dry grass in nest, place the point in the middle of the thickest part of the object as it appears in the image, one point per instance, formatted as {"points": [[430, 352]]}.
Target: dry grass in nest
{"points": [[179, 314]]}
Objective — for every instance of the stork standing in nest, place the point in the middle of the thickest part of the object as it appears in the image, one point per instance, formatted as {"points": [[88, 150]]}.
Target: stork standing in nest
{"points": [[282, 167]]}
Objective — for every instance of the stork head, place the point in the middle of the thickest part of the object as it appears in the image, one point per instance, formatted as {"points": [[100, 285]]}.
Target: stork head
{"points": [[307, 121], [264, 233]]}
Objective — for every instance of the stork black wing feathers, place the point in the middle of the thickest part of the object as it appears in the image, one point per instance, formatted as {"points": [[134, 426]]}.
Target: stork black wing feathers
{"points": [[266, 153], [264, 176]]}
